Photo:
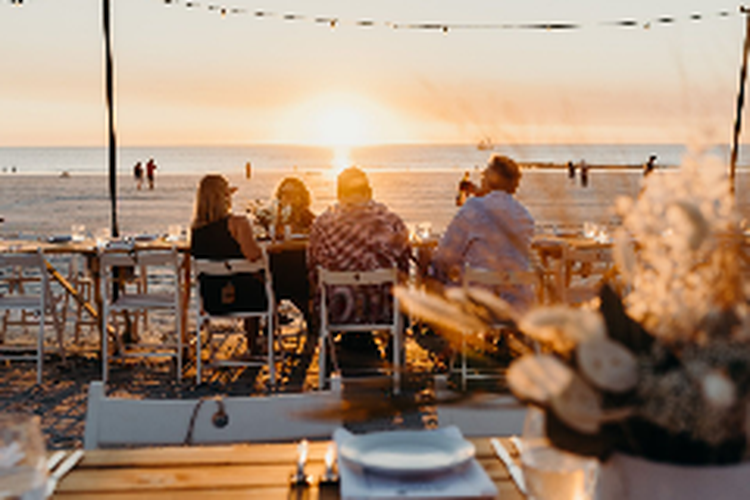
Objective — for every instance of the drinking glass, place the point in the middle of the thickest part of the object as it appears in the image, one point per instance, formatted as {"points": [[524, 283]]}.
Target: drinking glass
{"points": [[78, 232], [550, 473], [23, 464], [174, 232], [102, 237], [424, 230], [590, 229]]}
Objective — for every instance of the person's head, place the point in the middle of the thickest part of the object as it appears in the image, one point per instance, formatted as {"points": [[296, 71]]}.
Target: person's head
{"points": [[501, 174], [213, 200], [353, 186], [293, 192]]}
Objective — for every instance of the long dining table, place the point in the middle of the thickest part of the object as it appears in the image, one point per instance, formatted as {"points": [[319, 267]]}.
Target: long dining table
{"points": [[226, 472]]}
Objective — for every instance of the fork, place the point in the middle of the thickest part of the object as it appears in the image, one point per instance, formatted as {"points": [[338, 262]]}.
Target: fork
{"points": [[59, 467], [516, 473]]}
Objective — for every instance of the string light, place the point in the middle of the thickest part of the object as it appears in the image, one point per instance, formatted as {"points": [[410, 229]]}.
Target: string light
{"points": [[334, 22]]}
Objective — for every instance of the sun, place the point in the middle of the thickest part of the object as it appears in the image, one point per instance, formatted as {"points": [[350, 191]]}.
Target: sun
{"points": [[340, 125]]}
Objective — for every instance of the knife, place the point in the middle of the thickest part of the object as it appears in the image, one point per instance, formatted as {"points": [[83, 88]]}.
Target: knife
{"points": [[516, 473], [65, 467]]}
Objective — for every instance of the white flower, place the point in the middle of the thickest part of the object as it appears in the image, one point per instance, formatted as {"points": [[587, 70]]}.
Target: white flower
{"points": [[718, 389]]}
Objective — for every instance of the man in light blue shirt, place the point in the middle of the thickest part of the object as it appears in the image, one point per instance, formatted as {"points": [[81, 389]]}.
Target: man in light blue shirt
{"points": [[492, 231]]}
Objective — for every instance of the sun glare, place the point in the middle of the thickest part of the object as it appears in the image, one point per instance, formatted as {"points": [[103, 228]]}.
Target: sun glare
{"points": [[336, 120], [339, 125]]}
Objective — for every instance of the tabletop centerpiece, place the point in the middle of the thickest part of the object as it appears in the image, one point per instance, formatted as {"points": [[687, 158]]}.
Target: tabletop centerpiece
{"points": [[658, 372]]}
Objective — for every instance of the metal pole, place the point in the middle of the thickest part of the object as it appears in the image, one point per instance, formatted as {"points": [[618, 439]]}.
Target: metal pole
{"points": [[109, 91], [740, 102]]}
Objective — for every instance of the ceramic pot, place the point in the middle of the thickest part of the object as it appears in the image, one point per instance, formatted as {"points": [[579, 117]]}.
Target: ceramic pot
{"points": [[624, 477]]}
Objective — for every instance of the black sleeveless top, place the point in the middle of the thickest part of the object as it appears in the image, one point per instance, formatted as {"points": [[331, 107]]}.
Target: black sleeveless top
{"points": [[242, 292]]}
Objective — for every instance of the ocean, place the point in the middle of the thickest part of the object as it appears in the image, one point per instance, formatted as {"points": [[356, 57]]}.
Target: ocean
{"points": [[417, 182]]}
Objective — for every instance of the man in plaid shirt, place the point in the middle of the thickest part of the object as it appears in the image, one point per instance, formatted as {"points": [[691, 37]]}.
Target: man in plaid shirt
{"points": [[357, 234]]}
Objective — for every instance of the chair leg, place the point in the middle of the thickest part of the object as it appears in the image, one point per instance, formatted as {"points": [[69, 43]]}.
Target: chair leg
{"points": [[464, 373], [271, 362], [321, 361], [40, 348]]}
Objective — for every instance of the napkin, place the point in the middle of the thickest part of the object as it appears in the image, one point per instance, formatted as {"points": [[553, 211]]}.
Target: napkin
{"points": [[468, 481]]}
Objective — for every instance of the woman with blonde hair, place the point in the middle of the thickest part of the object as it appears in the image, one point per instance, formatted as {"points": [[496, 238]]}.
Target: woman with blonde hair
{"points": [[218, 234]]}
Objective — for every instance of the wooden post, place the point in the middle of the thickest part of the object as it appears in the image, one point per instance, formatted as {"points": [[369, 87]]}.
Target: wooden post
{"points": [[740, 102], [109, 95]]}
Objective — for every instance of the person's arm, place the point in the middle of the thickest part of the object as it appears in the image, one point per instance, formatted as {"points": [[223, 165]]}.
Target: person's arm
{"points": [[449, 254], [242, 232]]}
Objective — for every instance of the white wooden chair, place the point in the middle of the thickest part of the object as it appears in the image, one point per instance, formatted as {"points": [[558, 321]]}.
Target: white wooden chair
{"points": [[225, 269], [377, 277], [24, 287], [112, 422], [584, 271], [168, 298], [496, 281]]}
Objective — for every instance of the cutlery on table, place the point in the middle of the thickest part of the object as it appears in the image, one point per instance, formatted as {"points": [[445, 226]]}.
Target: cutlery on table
{"points": [[65, 466], [516, 473]]}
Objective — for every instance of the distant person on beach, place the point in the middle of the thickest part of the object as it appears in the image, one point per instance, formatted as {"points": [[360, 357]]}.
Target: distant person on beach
{"points": [[584, 173], [150, 172], [357, 234], [138, 175], [571, 171], [294, 206], [218, 234], [248, 170], [650, 165], [490, 232], [466, 189]]}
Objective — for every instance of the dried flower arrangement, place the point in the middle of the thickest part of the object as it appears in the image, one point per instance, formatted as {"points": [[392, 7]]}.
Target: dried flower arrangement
{"points": [[662, 368]]}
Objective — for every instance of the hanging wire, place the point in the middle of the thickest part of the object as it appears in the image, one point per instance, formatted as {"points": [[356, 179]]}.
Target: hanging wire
{"points": [[333, 22]]}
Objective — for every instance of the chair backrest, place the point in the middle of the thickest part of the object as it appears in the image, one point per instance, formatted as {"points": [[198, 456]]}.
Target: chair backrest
{"points": [[377, 277], [358, 278], [591, 265], [503, 279], [143, 263], [212, 268], [19, 268], [112, 422]]}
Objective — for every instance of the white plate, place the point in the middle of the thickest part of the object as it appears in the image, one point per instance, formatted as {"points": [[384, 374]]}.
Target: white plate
{"points": [[406, 453]]}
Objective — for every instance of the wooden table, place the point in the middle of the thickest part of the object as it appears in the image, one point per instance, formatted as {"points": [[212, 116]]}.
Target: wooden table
{"points": [[89, 249], [220, 472]]}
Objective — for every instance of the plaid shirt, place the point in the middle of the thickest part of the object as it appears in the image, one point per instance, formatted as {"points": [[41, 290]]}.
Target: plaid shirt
{"points": [[357, 238]]}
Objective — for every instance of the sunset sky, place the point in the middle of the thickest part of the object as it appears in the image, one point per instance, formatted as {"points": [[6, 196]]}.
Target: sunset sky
{"points": [[190, 76]]}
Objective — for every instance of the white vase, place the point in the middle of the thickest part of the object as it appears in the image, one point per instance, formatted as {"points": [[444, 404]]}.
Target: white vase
{"points": [[624, 477]]}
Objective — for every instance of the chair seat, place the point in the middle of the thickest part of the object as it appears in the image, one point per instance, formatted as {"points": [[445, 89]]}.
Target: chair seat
{"points": [[143, 301], [20, 302]]}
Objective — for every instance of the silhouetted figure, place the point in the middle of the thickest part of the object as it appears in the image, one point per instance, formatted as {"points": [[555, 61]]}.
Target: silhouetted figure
{"points": [[650, 165], [150, 169], [466, 189], [138, 175], [571, 170], [584, 174], [248, 170]]}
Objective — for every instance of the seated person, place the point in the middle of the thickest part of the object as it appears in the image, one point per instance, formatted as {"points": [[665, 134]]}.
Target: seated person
{"points": [[357, 234], [288, 265], [218, 234], [492, 231], [294, 206]]}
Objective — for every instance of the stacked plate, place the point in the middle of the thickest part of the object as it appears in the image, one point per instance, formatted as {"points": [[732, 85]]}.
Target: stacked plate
{"points": [[407, 453]]}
